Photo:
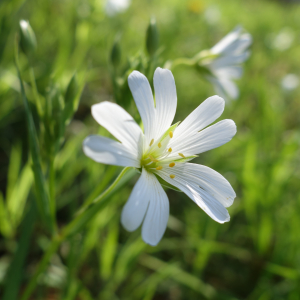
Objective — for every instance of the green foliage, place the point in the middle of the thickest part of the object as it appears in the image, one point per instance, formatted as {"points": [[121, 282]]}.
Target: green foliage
{"points": [[78, 63]]}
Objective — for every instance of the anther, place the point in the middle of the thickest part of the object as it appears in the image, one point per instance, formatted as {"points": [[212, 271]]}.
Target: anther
{"points": [[172, 176], [159, 145], [170, 134], [152, 141], [181, 155], [152, 158], [158, 168], [170, 150], [171, 165]]}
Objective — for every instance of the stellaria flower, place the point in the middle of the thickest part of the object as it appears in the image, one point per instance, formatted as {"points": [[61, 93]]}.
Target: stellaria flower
{"points": [[290, 82], [163, 151], [113, 7], [223, 62]]}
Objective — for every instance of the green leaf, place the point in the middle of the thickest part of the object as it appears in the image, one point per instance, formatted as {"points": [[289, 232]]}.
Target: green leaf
{"points": [[17, 198], [109, 249], [71, 99], [13, 169], [15, 271], [5, 224], [42, 197]]}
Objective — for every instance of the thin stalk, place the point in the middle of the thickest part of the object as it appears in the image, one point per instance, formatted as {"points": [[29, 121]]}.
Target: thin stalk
{"points": [[77, 224], [107, 178], [180, 61], [35, 91], [51, 184]]}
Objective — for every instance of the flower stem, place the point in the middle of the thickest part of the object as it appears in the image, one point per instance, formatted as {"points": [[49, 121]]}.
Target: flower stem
{"points": [[179, 61], [81, 219], [51, 183]]}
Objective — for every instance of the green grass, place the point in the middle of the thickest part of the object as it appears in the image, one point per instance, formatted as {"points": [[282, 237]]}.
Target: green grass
{"points": [[254, 256]]}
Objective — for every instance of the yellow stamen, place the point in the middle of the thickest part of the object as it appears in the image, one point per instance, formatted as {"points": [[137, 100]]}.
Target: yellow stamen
{"points": [[152, 141], [152, 158], [170, 150], [170, 134], [181, 155], [171, 165], [159, 168], [172, 176], [159, 145]]}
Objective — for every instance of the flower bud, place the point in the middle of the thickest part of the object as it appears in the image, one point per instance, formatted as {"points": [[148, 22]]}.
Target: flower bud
{"points": [[115, 54], [28, 42], [152, 37]]}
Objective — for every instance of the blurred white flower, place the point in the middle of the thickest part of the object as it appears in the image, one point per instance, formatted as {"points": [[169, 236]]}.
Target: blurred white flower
{"points": [[224, 62], [290, 82], [163, 152], [113, 7], [212, 15], [284, 39]]}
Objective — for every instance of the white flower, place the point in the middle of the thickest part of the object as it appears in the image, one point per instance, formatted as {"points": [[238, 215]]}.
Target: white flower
{"points": [[284, 39], [225, 62], [163, 150], [113, 7], [212, 15], [290, 82]]}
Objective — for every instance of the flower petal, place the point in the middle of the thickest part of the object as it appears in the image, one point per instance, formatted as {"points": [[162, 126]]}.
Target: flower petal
{"points": [[226, 42], [234, 72], [107, 151], [147, 193], [224, 87], [142, 94], [211, 137], [135, 208], [229, 60], [157, 215], [207, 179], [166, 100], [201, 197], [120, 124], [206, 113]]}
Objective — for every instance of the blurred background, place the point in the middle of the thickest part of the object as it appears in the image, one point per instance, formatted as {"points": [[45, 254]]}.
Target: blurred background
{"points": [[254, 256]]}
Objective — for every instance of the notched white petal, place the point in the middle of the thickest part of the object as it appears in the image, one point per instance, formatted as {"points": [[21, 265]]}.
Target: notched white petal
{"points": [[206, 113], [147, 198], [142, 94], [157, 215], [135, 208], [209, 138], [201, 197], [107, 151], [119, 123], [166, 99]]}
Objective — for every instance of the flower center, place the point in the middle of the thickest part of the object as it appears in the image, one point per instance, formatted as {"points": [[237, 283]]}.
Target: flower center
{"points": [[155, 158]]}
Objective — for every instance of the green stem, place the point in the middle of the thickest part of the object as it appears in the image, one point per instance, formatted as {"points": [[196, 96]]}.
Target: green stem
{"points": [[51, 183], [107, 178], [56, 241], [15, 272], [35, 92], [42, 198], [180, 61], [77, 224]]}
